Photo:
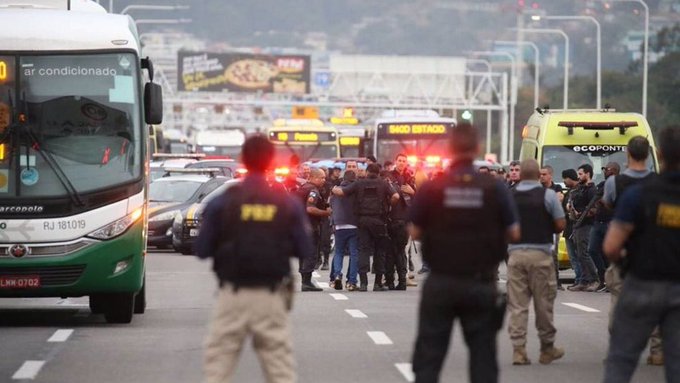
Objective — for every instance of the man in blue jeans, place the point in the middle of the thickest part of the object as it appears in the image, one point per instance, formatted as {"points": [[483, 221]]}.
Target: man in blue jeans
{"points": [[346, 236], [603, 215], [647, 224]]}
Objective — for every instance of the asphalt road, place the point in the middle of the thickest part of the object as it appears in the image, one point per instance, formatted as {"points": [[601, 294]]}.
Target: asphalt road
{"points": [[338, 336]]}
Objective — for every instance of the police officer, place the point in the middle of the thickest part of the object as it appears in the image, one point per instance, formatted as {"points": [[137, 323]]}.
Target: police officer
{"points": [[250, 231], [636, 172], [404, 183], [317, 210], [464, 220], [647, 224], [373, 198], [531, 271]]}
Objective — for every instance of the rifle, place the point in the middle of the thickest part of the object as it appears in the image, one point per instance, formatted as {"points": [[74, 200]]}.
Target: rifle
{"points": [[597, 197]]}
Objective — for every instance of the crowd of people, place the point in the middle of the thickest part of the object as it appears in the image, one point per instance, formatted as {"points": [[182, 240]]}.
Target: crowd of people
{"points": [[621, 237]]}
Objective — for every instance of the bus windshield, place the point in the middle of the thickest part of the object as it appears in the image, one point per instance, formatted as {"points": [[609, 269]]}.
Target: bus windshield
{"points": [[423, 148], [82, 130], [573, 156], [304, 152]]}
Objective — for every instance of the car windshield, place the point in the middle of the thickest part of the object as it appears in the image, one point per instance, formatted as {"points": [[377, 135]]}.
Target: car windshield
{"points": [[172, 190], [573, 156], [82, 132]]}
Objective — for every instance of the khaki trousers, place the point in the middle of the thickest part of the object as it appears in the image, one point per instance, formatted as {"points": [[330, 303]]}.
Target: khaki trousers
{"points": [[612, 278], [249, 311], [531, 273]]}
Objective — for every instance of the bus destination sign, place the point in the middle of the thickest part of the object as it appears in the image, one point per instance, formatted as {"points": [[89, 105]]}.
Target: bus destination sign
{"points": [[298, 136], [414, 130]]}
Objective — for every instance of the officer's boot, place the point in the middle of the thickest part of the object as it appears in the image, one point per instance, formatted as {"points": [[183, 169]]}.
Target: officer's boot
{"points": [[307, 284], [324, 266], [389, 281], [402, 282], [549, 353], [378, 285], [363, 282]]}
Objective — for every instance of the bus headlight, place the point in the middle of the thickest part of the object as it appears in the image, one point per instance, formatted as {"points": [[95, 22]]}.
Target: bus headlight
{"points": [[117, 227]]}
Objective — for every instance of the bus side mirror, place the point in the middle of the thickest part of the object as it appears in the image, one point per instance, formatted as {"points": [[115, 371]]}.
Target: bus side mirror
{"points": [[153, 103]]}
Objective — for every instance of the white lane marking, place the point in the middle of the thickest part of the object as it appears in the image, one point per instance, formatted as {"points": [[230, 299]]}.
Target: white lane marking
{"points": [[60, 335], [379, 337], [339, 297], [356, 314], [28, 370], [581, 307], [324, 285], [316, 275], [406, 370]]}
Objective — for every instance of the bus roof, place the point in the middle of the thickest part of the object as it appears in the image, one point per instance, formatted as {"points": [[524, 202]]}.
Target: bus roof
{"points": [[41, 29]]}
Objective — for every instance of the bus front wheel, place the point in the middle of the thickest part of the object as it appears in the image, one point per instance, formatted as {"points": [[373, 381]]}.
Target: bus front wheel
{"points": [[97, 304], [140, 299], [119, 308]]}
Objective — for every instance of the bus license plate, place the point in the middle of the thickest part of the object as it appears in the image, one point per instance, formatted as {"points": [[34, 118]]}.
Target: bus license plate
{"points": [[19, 282], [193, 232]]}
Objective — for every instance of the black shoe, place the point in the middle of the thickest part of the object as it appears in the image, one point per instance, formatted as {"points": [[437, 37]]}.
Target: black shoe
{"points": [[400, 286], [380, 287], [363, 288], [390, 285], [310, 286], [324, 266], [337, 284]]}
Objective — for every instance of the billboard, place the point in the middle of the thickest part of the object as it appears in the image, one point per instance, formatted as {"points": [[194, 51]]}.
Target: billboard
{"points": [[243, 72]]}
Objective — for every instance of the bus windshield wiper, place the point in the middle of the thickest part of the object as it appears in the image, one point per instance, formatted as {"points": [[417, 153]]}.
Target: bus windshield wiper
{"points": [[37, 144]]}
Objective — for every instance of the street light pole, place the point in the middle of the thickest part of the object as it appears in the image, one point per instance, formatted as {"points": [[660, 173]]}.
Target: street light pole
{"points": [[565, 102], [154, 8], [162, 21], [536, 64], [645, 52], [513, 102], [488, 112], [598, 72]]}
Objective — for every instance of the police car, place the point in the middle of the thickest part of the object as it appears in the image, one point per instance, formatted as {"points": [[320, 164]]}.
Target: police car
{"points": [[169, 195], [187, 221], [161, 161], [229, 168]]}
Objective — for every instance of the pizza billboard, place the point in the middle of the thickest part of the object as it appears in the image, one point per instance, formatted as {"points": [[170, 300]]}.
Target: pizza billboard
{"points": [[243, 72]]}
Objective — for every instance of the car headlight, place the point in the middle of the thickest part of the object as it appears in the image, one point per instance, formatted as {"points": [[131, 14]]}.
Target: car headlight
{"points": [[117, 227], [167, 216]]}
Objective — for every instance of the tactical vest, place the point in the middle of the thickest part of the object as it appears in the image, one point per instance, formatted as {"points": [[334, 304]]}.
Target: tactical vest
{"points": [[623, 182], [653, 247], [372, 194], [465, 236], [256, 246], [536, 222]]}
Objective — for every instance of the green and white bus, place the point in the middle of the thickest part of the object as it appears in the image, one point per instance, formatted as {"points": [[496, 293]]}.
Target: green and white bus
{"points": [[74, 109]]}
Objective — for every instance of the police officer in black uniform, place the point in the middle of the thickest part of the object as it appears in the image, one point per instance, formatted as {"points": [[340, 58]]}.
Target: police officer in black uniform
{"points": [[250, 232], [464, 220], [374, 197], [317, 210], [646, 224]]}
